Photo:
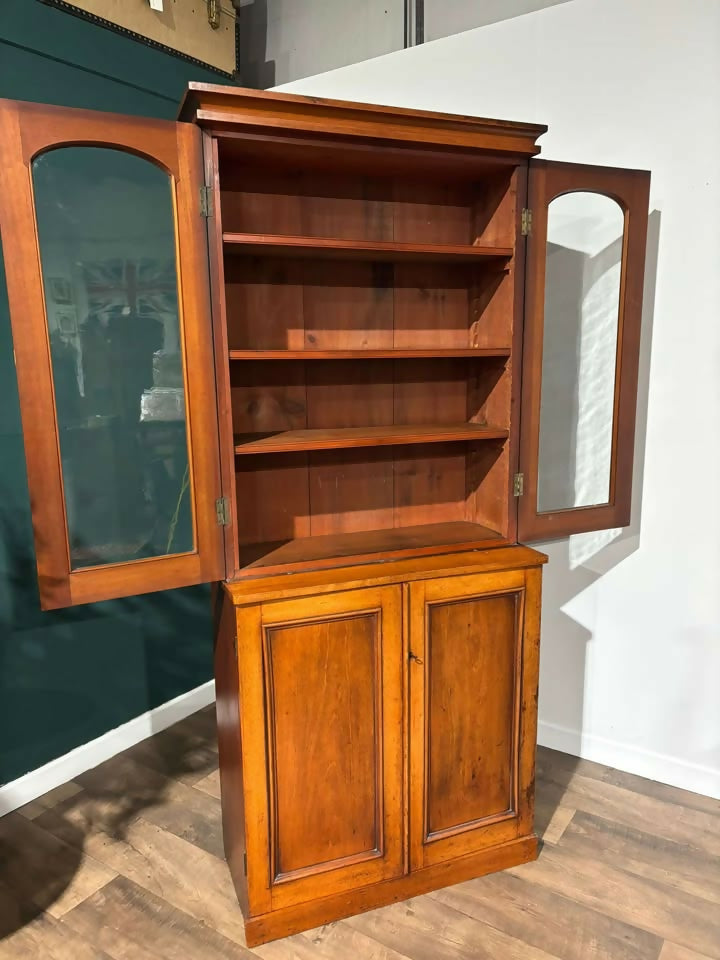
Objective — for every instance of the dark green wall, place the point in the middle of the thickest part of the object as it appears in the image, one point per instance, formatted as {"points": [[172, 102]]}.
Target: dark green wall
{"points": [[69, 676]]}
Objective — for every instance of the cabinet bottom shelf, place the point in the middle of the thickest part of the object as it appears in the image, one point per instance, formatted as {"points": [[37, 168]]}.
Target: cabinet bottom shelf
{"points": [[364, 546]]}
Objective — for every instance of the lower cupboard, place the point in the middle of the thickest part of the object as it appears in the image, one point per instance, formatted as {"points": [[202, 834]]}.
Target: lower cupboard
{"points": [[377, 737]]}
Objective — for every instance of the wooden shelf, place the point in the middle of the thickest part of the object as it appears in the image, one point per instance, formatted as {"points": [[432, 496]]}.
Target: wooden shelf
{"points": [[344, 437], [398, 354], [324, 551], [311, 247]]}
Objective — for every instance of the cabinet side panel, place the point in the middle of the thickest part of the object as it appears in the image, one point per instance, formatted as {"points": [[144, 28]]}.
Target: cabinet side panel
{"points": [[227, 710], [529, 699], [471, 656], [325, 763]]}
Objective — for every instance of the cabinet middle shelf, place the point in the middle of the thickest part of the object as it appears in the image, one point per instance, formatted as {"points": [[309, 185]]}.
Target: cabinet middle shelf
{"points": [[269, 245], [392, 353], [344, 437]]}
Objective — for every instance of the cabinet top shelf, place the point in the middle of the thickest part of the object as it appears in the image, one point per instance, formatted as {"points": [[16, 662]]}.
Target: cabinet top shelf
{"points": [[336, 249], [344, 437], [389, 354]]}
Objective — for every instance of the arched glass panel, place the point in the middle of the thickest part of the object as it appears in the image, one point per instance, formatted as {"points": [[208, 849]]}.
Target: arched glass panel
{"points": [[580, 337], [106, 228]]}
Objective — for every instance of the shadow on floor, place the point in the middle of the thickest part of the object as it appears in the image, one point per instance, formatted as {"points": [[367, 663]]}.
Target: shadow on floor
{"points": [[42, 847]]}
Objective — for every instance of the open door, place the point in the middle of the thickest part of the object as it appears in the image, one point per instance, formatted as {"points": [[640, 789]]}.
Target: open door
{"points": [[583, 305], [105, 255]]}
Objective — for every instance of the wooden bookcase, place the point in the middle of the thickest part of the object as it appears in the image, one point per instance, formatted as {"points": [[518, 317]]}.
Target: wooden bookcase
{"points": [[371, 330], [314, 371]]}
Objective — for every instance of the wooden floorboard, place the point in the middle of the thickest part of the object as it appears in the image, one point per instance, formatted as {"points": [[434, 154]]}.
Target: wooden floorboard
{"points": [[125, 863]]}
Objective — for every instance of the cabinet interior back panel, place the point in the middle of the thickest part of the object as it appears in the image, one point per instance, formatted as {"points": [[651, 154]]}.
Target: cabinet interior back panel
{"points": [[290, 304], [273, 396], [286, 496]]}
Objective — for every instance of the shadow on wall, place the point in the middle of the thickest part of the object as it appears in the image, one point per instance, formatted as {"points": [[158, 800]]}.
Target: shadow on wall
{"points": [[577, 562], [443, 18], [255, 70]]}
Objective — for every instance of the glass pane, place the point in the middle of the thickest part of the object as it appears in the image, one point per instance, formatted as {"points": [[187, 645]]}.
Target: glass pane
{"points": [[106, 228], [582, 298]]}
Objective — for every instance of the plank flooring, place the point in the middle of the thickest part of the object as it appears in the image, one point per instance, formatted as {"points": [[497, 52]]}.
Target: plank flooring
{"points": [[125, 863]]}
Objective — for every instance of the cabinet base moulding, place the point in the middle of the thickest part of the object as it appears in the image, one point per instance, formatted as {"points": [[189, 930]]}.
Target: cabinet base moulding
{"points": [[305, 916]]}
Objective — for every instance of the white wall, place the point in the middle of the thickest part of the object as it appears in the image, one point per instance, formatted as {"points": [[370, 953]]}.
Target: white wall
{"points": [[442, 18], [631, 631], [281, 40]]}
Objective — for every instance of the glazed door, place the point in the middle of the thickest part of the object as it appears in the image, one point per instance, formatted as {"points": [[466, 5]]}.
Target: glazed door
{"points": [[106, 263], [473, 665], [325, 808], [583, 310]]}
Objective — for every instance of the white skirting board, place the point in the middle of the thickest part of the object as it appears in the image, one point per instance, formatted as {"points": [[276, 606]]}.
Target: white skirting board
{"points": [[38, 782], [631, 759]]}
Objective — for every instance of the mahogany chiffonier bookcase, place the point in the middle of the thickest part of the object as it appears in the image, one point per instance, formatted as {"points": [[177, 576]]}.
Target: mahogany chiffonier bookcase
{"points": [[337, 359]]}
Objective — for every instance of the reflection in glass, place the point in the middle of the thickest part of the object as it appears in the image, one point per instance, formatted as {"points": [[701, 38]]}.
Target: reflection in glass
{"points": [[107, 243], [582, 297]]}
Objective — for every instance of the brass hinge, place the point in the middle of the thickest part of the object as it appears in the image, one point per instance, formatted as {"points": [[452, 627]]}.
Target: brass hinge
{"points": [[222, 510], [518, 484], [526, 222], [206, 201]]}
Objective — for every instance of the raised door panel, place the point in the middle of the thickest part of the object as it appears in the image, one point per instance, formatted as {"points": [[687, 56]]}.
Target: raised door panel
{"points": [[106, 261], [328, 673], [473, 664]]}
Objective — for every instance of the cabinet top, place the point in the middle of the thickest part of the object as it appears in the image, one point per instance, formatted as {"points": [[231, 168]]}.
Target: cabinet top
{"points": [[225, 108], [353, 576]]}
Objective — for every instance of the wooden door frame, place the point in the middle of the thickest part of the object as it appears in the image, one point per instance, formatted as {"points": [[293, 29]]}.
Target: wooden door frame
{"points": [[26, 130], [630, 189]]}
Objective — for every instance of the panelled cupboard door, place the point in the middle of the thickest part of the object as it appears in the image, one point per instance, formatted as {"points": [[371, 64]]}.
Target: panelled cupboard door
{"points": [[583, 307], [106, 264], [324, 808], [473, 664]]}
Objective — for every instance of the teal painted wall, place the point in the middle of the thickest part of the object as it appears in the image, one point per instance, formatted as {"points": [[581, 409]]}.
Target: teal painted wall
{"points": [[69, 676]]}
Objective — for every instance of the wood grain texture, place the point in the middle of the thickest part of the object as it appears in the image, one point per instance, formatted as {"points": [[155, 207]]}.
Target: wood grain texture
{"points": [[324, 730], [672, 914], [548, 921], [239, 109], [258, 244], [684, 866], [470, 655], [368, 354], [367, 545], [226, 783], [511, 914], [346, 437], [671, 951], [405, 568], [328, 154], [329, 683], [127, 921], [363, 263], [299, 917]]}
